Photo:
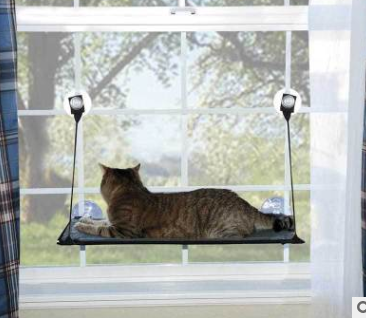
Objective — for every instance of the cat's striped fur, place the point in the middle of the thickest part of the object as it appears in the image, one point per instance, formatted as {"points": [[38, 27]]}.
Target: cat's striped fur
{"points": [[134, 212]]}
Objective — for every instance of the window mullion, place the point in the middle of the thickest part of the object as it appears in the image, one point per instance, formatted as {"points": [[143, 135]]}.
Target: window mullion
{"points": [[286, 247], [184, 115], [184, 122], [80, 145], [185, 254], [235, 188]]}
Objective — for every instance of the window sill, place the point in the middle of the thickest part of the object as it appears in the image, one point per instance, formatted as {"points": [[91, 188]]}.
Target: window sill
{"points": [[164, 285]]}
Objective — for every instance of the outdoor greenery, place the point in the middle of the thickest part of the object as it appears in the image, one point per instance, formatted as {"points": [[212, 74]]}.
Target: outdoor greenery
{"points": [[142, 71]]}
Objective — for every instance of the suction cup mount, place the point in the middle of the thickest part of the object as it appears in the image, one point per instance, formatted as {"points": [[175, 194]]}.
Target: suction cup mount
{"points": [[287, 102], [77, 104]]}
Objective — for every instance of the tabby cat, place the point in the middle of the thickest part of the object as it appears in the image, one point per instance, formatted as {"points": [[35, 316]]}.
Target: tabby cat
{"points": [[135, 212]]}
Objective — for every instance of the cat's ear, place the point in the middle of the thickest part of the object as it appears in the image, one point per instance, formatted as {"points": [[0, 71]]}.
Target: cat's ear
{"points": [[137, 168], [103, 167]]}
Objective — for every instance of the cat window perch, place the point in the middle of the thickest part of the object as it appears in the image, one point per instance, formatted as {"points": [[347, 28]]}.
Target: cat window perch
{"points": [[286, 101]]}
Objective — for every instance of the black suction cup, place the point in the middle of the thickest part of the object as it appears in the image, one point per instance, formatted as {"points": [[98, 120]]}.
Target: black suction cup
{"points": [[77, 106]]}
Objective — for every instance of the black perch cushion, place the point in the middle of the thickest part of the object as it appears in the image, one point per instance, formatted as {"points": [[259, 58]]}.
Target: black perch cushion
{"points": [[259, 237]]}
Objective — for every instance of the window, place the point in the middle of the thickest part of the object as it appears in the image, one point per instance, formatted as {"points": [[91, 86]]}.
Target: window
{"points": [[190, 97]]}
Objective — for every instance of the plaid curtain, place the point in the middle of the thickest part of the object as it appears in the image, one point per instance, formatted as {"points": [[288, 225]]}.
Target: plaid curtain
{"points": [[9, 167]]}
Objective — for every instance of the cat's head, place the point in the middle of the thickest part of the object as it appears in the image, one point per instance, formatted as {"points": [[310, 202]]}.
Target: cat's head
{"points": [[120, 180]]}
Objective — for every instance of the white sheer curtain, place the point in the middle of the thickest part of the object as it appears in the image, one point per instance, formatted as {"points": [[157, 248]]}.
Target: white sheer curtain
{"points": [[337, 67]]}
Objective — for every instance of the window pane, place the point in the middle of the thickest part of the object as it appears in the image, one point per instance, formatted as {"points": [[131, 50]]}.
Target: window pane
{"points": [[236, 149], [40, 229], [299, 2], [46, 151], [235, 69], [300, 142], [234, 2], [132, 70], [124, 141], [121, 3], [239, 253], [301, 253], [64, 3], [300, 66], [127, 3], [45, 69], [244, 2]]}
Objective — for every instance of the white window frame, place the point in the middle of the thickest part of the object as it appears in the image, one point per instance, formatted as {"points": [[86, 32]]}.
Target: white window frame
{"points": [[85, 19], [87, 287]]}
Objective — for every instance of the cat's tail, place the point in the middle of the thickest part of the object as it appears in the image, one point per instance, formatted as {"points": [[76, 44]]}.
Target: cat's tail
{"points": [[276, 222]]}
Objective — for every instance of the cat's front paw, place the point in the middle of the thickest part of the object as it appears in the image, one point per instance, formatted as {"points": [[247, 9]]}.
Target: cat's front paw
{"points": [[81, 227], [86, 220]]}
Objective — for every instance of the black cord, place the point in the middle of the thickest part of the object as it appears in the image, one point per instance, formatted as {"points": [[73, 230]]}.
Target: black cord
{"points": [[291, 178], [73, 174]]}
